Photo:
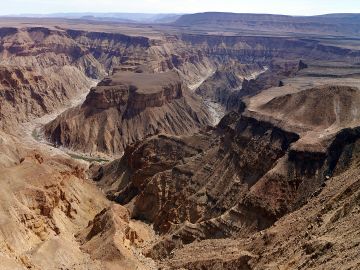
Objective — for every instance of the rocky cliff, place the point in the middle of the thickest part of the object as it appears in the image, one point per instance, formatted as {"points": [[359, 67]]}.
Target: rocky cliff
{"points": [[197, 190], [230, 84]]}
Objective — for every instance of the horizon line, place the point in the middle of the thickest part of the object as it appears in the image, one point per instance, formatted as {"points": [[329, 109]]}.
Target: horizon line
{"points": [[172, 13]]}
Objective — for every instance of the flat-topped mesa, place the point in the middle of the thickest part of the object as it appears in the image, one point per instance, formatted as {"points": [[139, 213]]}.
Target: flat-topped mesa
{"points": [[317, 108], [316, 114], [125, 108], [138, 90]]}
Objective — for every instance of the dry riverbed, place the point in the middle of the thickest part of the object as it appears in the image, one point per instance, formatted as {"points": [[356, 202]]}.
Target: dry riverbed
{"points": [[33, 136]]}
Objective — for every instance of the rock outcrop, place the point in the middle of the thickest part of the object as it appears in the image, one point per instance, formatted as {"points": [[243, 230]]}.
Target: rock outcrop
{"points": [[44, 202], [318, 235], [112, 238]]}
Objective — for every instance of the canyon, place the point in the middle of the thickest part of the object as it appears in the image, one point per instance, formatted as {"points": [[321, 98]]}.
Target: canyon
{"points": [[215, 141]]}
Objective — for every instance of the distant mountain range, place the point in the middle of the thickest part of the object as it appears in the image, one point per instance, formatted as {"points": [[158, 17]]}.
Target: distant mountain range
{"points": [[336, 24], [207, 17], [119, 17], [333, 24]]}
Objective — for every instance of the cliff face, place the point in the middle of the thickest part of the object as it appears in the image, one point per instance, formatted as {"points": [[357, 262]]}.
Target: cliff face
{"points": [[230, 83], [126, 108], [327, 107], [227, 79], [27, 93], [261, 49], [310, 236]]}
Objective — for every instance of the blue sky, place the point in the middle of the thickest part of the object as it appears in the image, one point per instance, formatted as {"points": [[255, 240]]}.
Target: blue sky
{"points": [[291, 7]]}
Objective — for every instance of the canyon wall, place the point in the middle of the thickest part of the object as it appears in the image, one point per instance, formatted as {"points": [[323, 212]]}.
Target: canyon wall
{"points": [[227, 68]]}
